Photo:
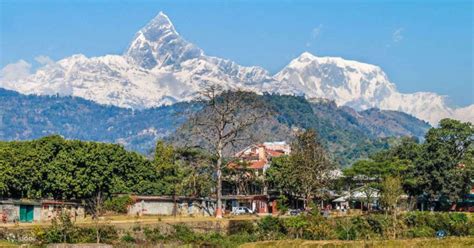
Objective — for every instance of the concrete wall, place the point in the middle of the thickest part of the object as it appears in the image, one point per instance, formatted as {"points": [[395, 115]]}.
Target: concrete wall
{"points": [[11, 211], [36, 213], [40, 213], [51, 211], [146, 207]]}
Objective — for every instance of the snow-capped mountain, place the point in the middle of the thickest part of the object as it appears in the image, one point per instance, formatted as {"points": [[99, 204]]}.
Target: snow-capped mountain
{"points": [[160, 67], [361, 86]]}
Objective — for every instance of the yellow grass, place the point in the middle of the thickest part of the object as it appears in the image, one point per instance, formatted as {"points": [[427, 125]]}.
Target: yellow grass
{"points": [[5, 244], [407, 243]]}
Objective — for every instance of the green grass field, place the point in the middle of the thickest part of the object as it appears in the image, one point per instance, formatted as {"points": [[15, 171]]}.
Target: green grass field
{"points": [[408, 243]]}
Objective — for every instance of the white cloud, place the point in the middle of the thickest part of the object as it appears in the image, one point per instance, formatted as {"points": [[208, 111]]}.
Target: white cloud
{"points": [[397, 35], [44, 60], [315, 33], [14, 72]]}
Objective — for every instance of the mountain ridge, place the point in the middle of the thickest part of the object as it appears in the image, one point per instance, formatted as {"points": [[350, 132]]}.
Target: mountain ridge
{"points": [[347, 133], [160, 67]]}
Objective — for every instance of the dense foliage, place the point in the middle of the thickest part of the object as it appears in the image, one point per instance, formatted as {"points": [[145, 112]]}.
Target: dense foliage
{"points": [[71, 169], [440, 169]]}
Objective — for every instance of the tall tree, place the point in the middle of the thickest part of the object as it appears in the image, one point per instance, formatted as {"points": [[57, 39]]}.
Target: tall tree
{"points": [[391, 193], [224, 122], [310, 167], [445, 167], [197, 167]]}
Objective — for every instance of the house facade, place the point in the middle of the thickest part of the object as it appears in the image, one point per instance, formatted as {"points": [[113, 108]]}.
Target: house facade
{"points": [[43, 210], [247, 187]]}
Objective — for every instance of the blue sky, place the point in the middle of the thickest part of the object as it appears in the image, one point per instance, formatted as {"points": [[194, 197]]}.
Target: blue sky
{"points": [[421, 45]]}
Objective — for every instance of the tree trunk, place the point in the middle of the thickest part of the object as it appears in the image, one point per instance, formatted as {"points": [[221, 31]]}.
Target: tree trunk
{"points": [[219, 183], [97, 213]]}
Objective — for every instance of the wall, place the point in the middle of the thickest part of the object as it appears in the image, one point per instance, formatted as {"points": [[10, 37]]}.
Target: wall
{"points": [[12, 212], [36, 213], [195, 208]]}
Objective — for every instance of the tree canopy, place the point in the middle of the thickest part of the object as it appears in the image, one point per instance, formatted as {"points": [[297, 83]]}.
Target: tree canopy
{"points": [[439, 168]]}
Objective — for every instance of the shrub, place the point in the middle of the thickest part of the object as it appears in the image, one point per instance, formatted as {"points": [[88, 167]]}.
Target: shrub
{"points": [[118, 204], [320, 231], [271, 227], [345, 229], [240, 227], [185, 234], [362, 228], [420, 232], [127, 238], [296, 226], [382, 225], [453, 223], [154, 235]]}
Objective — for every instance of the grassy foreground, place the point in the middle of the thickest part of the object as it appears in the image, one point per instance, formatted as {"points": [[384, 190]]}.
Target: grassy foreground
{"points": [[408, 243], [6, 244]]}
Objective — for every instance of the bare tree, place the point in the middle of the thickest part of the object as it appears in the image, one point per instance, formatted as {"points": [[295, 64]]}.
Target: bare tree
{"points": [[224, 122], [94, 206]]}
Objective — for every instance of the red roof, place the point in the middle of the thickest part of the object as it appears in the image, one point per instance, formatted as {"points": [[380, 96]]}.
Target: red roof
{"points": [[257, 164], [274, 153]]}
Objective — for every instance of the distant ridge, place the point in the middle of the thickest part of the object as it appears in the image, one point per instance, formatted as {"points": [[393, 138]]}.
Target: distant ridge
{"points": [[348, 134]]}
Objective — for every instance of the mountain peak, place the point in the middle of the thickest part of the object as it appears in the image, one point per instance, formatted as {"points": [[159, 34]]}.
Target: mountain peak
{"points": [[158, 44], [161, 22], [306, 55]]}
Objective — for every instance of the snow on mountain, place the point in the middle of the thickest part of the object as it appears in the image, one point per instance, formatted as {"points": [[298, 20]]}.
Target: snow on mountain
{"points": [[361, 86], [160, 67]]}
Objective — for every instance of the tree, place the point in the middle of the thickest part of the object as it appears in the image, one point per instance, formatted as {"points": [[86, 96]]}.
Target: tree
{"points": [[282, 177], [312, 163], [390, 196], [369, 174], [445, 166], [223, 122], [197, 167]]}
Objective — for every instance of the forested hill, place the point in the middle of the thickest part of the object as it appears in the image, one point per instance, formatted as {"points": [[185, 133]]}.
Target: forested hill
{"points": [[348, 134]]}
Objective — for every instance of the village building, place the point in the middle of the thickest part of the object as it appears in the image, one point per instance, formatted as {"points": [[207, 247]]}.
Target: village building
{"points": [[247, 187], [169, 206], [359, 198], [44, 210]]}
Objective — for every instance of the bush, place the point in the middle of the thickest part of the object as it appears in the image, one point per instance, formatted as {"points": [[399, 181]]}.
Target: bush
{"points": [[241, 227], [271, 227], [456, 224], [362, 228], [320, 231], [296, 226], [118, 204], [127, 238], [345, 230], [185, 234], [420, 232], [154, 235]]}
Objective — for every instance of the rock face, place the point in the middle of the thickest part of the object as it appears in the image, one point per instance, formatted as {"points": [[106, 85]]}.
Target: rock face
{"points": [[160, 68]]}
